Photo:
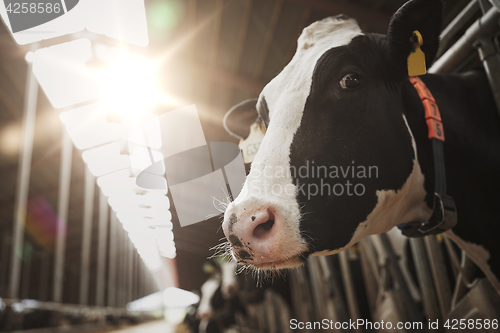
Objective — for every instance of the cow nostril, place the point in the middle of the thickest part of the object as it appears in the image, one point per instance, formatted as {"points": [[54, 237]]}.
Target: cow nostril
{"points": [[262, 229]]}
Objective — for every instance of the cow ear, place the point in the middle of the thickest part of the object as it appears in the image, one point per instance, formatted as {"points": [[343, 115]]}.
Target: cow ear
{"points": [[424, 16], [238, 120]]}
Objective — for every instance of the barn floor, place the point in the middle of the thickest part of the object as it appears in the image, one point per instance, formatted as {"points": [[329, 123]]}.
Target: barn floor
{"points": [[159, 326]]}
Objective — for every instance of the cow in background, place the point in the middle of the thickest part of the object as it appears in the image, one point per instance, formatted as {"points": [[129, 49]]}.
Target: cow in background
{"points": [[238, 302]]}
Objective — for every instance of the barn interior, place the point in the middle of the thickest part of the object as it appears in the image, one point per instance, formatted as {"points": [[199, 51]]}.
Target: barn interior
{"points": [[210, 53]]}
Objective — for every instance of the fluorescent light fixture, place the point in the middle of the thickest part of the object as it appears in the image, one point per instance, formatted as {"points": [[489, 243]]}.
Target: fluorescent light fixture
{"points": [[130, 201], [121, 183], [63, 75], [147, 303], [88, 127], [127, 84], [137, 225], [146, 215], [170, 298], [107, 159], [179, 298]]}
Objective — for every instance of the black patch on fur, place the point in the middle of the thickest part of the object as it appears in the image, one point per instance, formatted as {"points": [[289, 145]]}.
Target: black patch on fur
{"points": [[235, 241], [232, 220], [263, 110], [242, 254]]}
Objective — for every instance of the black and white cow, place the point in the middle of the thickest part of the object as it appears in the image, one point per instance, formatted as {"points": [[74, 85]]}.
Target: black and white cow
{"points": [[345, 101], [219, 308]]}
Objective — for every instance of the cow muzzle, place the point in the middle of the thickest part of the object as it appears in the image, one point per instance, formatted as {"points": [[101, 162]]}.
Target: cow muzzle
{"points": [[261, 237]]}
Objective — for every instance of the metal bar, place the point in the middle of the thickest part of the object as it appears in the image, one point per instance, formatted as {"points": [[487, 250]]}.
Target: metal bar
{"points": [[350, 292], [134, 274], [464, 280], [26, 275], [485, 5], [491, 62], [44, 276], [4, 277], [113, 244], [368, 274], [101, 249], [455, 262], [23, 181], [268, 39], [64, 187], [331, 278], [395, 268], [457, 24], [126, 270], [424, 277], [496, 4], [88, 210], [119, 266], [123, 268], [456, 54], [143, 281], [130, 256], [439, 273]]}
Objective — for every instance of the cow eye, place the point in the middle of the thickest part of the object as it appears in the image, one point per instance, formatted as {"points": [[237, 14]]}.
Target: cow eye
{"points": [[350, 81]]}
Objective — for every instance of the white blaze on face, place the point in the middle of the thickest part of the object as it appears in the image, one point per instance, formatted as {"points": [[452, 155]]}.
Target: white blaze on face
{"points": [[269, 182], [208, 289]]}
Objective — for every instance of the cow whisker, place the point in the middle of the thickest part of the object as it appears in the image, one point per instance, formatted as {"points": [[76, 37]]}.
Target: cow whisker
{"points": [[221, 206], [222, 250]]}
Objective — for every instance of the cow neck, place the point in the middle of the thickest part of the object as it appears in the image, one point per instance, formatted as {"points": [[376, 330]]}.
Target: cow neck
{"points": [[444, 214]]}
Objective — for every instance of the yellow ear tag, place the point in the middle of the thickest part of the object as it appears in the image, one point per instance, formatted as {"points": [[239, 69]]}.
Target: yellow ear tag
{"points": [[251, 145], [416, 59]]}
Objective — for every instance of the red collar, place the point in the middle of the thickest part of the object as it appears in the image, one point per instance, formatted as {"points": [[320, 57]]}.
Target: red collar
{"points": [[444, 214], [432, 115]]}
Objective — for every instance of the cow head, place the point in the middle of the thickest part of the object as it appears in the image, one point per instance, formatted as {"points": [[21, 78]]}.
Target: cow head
{"points": [[338, 160]]}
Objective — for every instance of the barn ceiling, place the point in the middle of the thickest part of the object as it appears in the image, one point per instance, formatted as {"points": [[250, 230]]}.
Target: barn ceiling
{"points": [[212, 53]]}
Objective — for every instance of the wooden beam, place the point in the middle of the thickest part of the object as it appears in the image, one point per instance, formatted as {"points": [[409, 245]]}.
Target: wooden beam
{"points": [[278, 5], [15, 77], [376, 21], [293, 45], [242, 35], [219, 7], [238, 53], [227, 78]]}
